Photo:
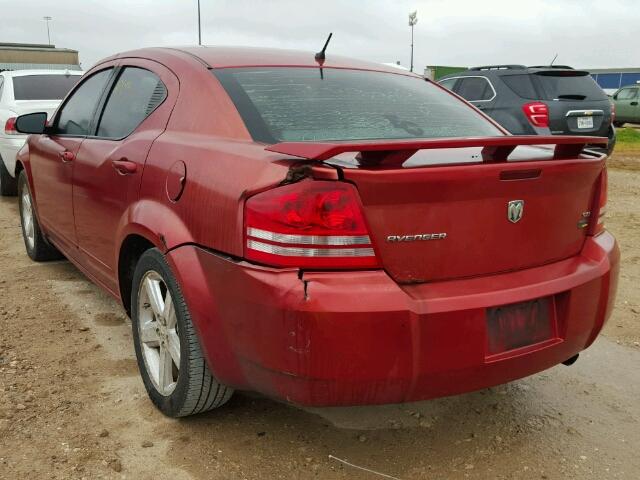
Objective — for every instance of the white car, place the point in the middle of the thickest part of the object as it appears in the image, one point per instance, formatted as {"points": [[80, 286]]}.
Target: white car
{"points": [[26, 91]]}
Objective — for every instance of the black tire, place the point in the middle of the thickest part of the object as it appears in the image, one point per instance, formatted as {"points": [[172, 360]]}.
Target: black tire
{"points": [[612, 140], [618, 124], [194, 389], [8, 184], [38, 249]]}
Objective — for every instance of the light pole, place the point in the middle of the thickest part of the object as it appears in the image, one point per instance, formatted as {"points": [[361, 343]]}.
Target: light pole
{"points": [[413, 19], [199, 26], [47, 19]]}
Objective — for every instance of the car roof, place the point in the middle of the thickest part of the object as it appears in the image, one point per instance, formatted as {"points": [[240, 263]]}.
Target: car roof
{"points": [[23, 73], [503, 70], [228, 57]]}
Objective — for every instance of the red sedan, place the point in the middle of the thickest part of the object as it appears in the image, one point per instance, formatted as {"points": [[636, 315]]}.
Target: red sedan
{"points": [[325, 232]]}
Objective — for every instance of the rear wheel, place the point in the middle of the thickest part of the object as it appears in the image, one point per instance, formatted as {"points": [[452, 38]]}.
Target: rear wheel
{"points": [[170, 360], [38, 248], [618, 124], [8, 184]]}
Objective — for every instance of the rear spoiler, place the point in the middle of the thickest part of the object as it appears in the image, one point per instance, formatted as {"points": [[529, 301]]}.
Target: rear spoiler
{"points": [[396, 152]]}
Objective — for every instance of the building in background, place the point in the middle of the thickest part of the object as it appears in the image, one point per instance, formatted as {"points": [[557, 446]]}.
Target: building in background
{"points": [[611, 79], [28, 56], [435, 72]]}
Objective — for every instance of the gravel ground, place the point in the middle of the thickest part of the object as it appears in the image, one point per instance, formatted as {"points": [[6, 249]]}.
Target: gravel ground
{"points": [[72, 404]]}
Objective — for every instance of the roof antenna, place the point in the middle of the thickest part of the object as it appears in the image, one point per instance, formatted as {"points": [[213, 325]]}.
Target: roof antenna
{"points": [[554, 59], [320, 55]]}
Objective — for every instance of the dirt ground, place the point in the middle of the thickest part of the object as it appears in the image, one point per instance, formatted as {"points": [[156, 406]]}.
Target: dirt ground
{"points": [[72, 404]]}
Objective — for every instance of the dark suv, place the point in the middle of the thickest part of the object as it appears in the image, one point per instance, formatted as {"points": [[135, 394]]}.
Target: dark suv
{"points": [[537, 100]]}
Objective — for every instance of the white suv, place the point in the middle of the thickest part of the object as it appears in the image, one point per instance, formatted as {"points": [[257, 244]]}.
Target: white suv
{"points": [[26, 91]]}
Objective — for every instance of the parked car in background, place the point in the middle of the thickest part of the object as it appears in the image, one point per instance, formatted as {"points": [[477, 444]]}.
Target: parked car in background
{"points": [[627, 104], [26, 91], [537, 100], [330, 232]]}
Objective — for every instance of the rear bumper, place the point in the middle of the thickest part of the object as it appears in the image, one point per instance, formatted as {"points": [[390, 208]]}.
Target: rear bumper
{"points": [[352, 338], [9, 148]]}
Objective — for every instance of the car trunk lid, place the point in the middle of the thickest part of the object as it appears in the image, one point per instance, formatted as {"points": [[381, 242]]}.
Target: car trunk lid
{"points": [[467, 211]]}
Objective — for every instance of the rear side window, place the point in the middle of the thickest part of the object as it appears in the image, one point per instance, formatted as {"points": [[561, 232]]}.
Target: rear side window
{"points": [[627, 94], [43, 87], [569, 85], [474, 89], [77, 113], [521, 85], [136, 94], [306, 104], [448, 83]]}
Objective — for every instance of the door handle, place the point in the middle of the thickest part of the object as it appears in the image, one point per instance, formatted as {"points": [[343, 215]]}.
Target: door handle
{"points": [[634, 103], [67, 156], [124, 166]]}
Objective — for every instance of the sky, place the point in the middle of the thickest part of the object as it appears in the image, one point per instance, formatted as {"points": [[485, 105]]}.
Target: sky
{"points": [[584, 33]]}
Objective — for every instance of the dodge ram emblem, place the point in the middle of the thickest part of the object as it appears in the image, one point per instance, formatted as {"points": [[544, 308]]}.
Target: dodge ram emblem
{"points": [[515, 209]]}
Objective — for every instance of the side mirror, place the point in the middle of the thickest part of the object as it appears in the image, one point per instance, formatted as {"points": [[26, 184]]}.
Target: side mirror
{"points": [[32, 123]]}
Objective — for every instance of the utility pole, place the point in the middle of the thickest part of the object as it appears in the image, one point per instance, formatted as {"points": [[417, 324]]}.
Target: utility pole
{"points": [[47, 19], [413, 19], [199, 26]]}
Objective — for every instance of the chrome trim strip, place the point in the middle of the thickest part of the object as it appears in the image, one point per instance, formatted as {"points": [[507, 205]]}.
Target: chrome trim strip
{"points": [[309, 239], [584, 113], [308, 252], [474, 76]]}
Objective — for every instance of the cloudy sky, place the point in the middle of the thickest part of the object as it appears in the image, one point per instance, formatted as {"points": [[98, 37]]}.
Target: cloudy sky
{"points": [[584, 33]]}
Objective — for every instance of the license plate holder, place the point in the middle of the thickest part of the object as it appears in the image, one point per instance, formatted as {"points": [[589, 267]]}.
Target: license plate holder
{"points": [[520, 325], [585, 122]]}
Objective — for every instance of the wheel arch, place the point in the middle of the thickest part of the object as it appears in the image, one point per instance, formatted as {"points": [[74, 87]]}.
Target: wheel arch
{"points": [[146, 224], [131, 249]]}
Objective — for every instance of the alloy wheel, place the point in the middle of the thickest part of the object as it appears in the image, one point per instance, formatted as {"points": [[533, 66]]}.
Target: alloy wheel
{"points": [[27, 218], [158, 333]]}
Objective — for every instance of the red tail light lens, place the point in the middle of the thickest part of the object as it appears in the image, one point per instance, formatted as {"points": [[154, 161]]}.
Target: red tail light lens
{"points": [[613, 112], [315, 224], [537, 113], [597, 224], [10, 126]]}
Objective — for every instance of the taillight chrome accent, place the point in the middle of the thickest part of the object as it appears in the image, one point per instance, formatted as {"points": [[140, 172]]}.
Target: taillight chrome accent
{"points": [[308, 239], [308, 252], [309, 224], [537, 113]]}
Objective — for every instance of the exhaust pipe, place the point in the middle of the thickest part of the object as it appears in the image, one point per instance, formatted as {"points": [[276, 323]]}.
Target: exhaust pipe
{"points": [[572, 360]]}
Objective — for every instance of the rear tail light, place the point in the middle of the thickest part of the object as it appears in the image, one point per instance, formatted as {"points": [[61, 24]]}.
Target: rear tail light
{"points": [[613, 112], [315, 224], [537, 113], [10, 127], [598, 219]]}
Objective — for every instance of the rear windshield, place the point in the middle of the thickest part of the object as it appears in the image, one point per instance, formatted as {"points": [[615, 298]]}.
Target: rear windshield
{"points": [[521, 85], [569, 86], [43, 87], [306, 104]]}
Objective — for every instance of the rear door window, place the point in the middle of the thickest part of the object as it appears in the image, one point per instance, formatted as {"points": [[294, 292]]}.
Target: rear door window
{"points": [[135, 95], [627, 94], [43, 87], [77, 113], [475, 89], [569, 85]]}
